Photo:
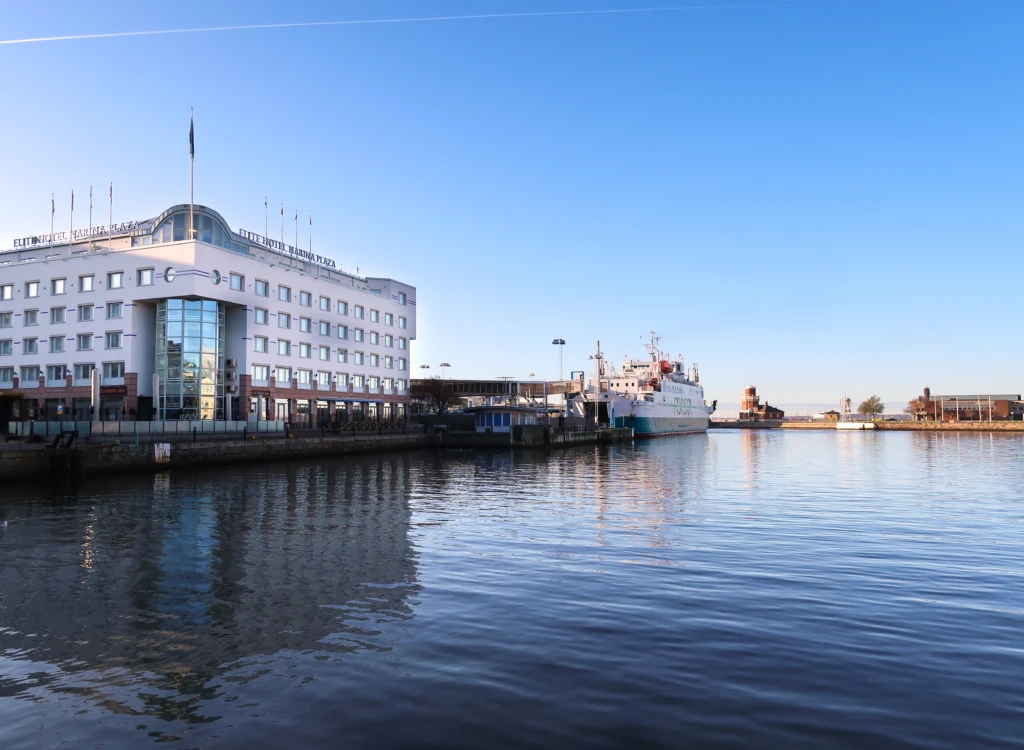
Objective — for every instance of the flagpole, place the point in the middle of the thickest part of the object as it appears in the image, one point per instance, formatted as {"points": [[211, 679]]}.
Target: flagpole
{"points": [[53, 210], [110, 220], [266, 219], [191, 173], [90, 212], [71, 227], [311, 233], [296, 228], [282, 223]]}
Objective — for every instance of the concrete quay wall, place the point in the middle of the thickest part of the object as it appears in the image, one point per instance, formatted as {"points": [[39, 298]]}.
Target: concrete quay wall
{"points": [[919, 426]]}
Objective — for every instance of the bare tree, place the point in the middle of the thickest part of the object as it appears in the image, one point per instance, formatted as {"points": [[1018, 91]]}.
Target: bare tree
{"points": [[437, 396]]}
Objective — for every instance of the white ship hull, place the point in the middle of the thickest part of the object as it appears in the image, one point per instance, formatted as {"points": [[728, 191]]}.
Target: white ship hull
{"points": [[652, 397]]}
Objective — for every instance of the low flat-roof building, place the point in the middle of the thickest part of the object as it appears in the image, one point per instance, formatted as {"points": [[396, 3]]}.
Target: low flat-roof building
{"points": [[138, 321]]}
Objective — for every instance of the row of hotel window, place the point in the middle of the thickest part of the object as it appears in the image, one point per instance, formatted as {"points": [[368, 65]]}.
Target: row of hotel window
{"points": [[284, 320], [284, 349], [83, 343], [261, 373], [115, 280], [86, 283], [57, 373], [57, 315]]}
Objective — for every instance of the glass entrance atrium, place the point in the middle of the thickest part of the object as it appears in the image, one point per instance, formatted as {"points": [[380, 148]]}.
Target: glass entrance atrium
{"points": [[190, 359]]}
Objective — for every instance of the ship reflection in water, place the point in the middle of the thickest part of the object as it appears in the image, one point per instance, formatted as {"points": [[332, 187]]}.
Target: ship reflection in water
{"points": [[739, 589]]}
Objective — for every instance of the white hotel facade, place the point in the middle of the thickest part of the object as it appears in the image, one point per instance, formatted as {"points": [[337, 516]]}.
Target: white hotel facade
{"points": [[139, 322]]}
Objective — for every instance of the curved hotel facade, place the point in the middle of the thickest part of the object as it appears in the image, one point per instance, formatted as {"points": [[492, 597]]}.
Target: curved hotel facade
{"points": [[139, 322]]}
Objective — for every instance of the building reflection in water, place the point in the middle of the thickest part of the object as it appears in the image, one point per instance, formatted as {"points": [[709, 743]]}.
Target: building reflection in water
{"points": [[149, 600]]}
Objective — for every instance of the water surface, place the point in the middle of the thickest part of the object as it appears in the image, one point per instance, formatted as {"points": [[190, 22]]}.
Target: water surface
{"points": [[739, 589]]}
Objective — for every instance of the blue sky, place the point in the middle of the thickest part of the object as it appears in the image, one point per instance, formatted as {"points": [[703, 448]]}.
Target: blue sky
{"points": [[822, 199]]}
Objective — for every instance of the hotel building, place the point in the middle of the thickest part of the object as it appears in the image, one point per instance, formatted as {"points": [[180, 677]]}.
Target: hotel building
{"points": [[137, 321]]}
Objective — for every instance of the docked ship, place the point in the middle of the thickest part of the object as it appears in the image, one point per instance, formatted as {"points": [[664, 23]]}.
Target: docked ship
{"points": [[653, 396]]}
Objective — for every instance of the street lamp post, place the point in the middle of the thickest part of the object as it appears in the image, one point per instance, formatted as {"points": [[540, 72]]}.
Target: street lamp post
{"points": [[445, 367], [559, 343]]}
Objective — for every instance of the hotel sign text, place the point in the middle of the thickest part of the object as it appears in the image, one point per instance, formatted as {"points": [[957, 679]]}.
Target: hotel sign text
{"points": [[78, 234], [259, 239]]}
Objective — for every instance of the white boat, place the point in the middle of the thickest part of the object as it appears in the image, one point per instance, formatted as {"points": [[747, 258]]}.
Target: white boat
{"points": [[654, 396]]}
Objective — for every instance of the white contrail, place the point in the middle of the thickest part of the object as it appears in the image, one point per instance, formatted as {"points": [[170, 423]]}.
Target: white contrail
{"points": [[664, 9]]}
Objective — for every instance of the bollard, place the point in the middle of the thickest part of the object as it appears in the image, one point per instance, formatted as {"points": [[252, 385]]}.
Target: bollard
{"points": [[245, 432], [193, 435]]}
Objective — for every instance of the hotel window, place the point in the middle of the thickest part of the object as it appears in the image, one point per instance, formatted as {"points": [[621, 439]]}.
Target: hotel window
{"points": [[373, 381], [388, 383], [374, 360], [343, 380], [389, 340], [58, 315], [357, 334], [357, 381], [113, 340], [84, 372], [5, 348], [401, 322], [85, 313], [260, 372], [284, 320], [325, 304], [6, 320], [323, 377], [262, 316], [7, 293], [359, 311], [389, 363], [374, 338], [259, 344], [402, 363], [262, 288], [400, 385], [32, 289], [325, 353], [113, 370], [305, 351], [86, 283], [6, 375], [305, 325], [389, 319], [59, 286], [374, 316], [29, 374], [56, 344], [357, 358], [31, 318], [283, 374], [83, 342], [29, 346], [236, 281], [325, 328], [401, 298], [145, 277], [115, 310], [305, 299], [56, 373], [343, 355], [342, 332], [115, 280], [284, 348], [305, 377], [342, 307], [284, 294]]}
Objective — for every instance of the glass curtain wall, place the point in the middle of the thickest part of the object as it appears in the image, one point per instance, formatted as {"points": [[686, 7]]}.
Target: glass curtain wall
{"points": [[190, 359]]}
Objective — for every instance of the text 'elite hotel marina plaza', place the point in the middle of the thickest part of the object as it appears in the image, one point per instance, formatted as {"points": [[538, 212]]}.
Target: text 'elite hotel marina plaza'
{"points": [[140, 321]]}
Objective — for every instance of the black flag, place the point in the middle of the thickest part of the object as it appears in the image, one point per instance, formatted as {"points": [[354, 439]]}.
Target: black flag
{"points": [[191, 138]]}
